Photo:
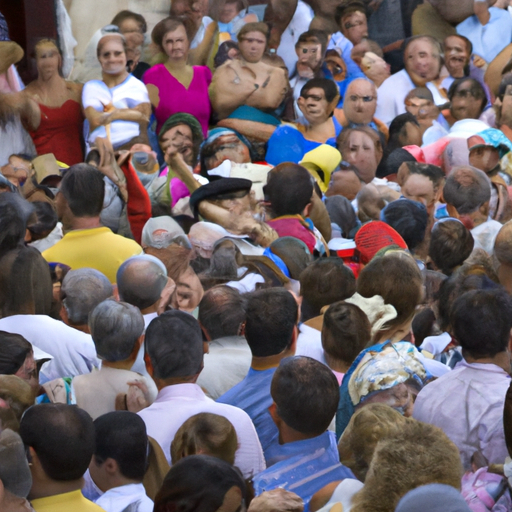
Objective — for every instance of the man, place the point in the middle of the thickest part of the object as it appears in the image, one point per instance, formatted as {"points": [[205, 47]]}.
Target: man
{"points": [[317, 101], [81, 291], [117, 330], [86, 243], [351, 18], [120, 462], [467, 403], [422, 57], [359, 107], [467, 193], [174, 359], [422, 183], [457, 57], [221, 317], [305, 395], [15, 477], [271, 332], [142, 282], [60, 443]]}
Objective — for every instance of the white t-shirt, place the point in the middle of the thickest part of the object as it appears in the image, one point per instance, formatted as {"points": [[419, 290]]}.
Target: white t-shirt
{"points": [[128, 94]]}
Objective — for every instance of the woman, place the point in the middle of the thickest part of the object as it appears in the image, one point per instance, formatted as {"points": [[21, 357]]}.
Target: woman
{"points": [[116, 107], [50, 107], [175, 86]]}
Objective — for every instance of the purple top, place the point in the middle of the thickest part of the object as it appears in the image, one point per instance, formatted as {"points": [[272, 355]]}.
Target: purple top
{"points": [[174, 97]]}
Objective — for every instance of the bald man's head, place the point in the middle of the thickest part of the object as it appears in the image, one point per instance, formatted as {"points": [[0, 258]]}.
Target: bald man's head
{"points": [[503, 244], [140, 280], [360, 101]]}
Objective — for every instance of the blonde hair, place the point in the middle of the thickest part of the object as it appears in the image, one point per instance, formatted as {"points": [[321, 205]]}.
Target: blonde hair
{"points": [[207, 434]]}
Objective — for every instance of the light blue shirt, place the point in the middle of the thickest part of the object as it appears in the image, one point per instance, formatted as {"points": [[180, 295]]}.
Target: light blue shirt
{"points": [[253, 396], [303, 467]]}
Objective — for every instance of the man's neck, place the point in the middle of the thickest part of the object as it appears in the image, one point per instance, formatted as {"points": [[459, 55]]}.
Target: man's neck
{"points": [[265, 363], [53, 488], [290, 435], [321, 132], [173, 381], [81, 223], [502, 359], [118, 365], [150, 309]]}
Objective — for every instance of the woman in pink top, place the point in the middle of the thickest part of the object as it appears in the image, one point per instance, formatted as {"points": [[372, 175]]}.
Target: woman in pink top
{"points": [[176, 86]]}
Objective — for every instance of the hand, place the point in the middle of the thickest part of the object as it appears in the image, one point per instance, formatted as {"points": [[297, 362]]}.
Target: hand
{"points": [[137, 397], [478, 61], [274, 40], [109, 167]]}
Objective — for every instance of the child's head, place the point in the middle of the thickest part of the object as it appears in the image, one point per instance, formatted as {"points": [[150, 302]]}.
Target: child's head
{"points": [[346, 331], [205, 434], [230, 10]]}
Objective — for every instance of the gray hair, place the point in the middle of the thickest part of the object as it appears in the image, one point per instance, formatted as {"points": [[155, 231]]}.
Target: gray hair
{"points": [[14, 471], [140, 280], [115, 327], [83, 290]]}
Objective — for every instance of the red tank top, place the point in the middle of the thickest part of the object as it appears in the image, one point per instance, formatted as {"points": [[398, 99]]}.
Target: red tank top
{"points": [[60, 132]]}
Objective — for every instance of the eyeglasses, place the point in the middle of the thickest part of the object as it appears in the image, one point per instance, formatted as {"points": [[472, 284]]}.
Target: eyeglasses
{"points": [[366, 99], [465, 93]]}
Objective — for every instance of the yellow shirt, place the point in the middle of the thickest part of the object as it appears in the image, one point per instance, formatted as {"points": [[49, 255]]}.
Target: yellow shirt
{"points": [[70, 501], [96, 248]]}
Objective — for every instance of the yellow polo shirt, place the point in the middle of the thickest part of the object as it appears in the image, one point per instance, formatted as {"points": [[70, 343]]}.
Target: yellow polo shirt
{"points": [[96, 248], [67, 502]]}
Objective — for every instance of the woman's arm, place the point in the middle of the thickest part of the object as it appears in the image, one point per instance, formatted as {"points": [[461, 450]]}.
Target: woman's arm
{"points": [[20, 103], [199, 55]]}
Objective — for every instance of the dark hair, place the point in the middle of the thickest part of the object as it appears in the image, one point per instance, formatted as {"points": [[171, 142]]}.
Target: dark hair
{"points": [[270, 319], [83, 188], [121, 435], [477, 90], [467, 189], [63, 438], [392, 160], [44, 219], [481, 322], [345, 332], [506, 80], [455, 286], [306, 394], [397, 129], [130, 15], [170, 24], [289, 189], [313, 35], [434, 173], [423, 325], [14, 349], [328, 86], [323, 282], [198, 483], [222, 311], [174, 344], [346, 8], [14, 213], [450, 244], [397, 279], [409, 219]]}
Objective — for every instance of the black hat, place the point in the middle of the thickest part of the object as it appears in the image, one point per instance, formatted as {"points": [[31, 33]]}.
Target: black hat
{"points": [[219, 189], [174, 344]]}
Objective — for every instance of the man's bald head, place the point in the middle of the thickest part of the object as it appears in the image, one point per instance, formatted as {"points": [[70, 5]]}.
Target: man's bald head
{"points": [[140, 280], [360, 101]]}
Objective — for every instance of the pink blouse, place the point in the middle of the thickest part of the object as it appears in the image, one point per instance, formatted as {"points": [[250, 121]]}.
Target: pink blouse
{"points": [[174, 97]]}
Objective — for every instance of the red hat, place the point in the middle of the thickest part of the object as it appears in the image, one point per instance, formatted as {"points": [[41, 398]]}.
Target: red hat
{"points": [[373, 237]]}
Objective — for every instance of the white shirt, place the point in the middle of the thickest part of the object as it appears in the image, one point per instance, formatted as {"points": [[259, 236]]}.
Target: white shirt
{"points": [[119, 498], [309, 343], [73, 351], [485, 235], [225, 365], [392, 92], [176, 404], [467, 404], [139, 365], [128, 94]]}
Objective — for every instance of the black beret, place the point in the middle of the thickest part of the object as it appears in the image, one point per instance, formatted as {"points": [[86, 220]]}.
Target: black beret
{"points": [[217, 188]]}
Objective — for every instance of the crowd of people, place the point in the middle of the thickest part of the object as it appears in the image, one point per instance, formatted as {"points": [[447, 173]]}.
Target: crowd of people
{"points": [[258, 256]]}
